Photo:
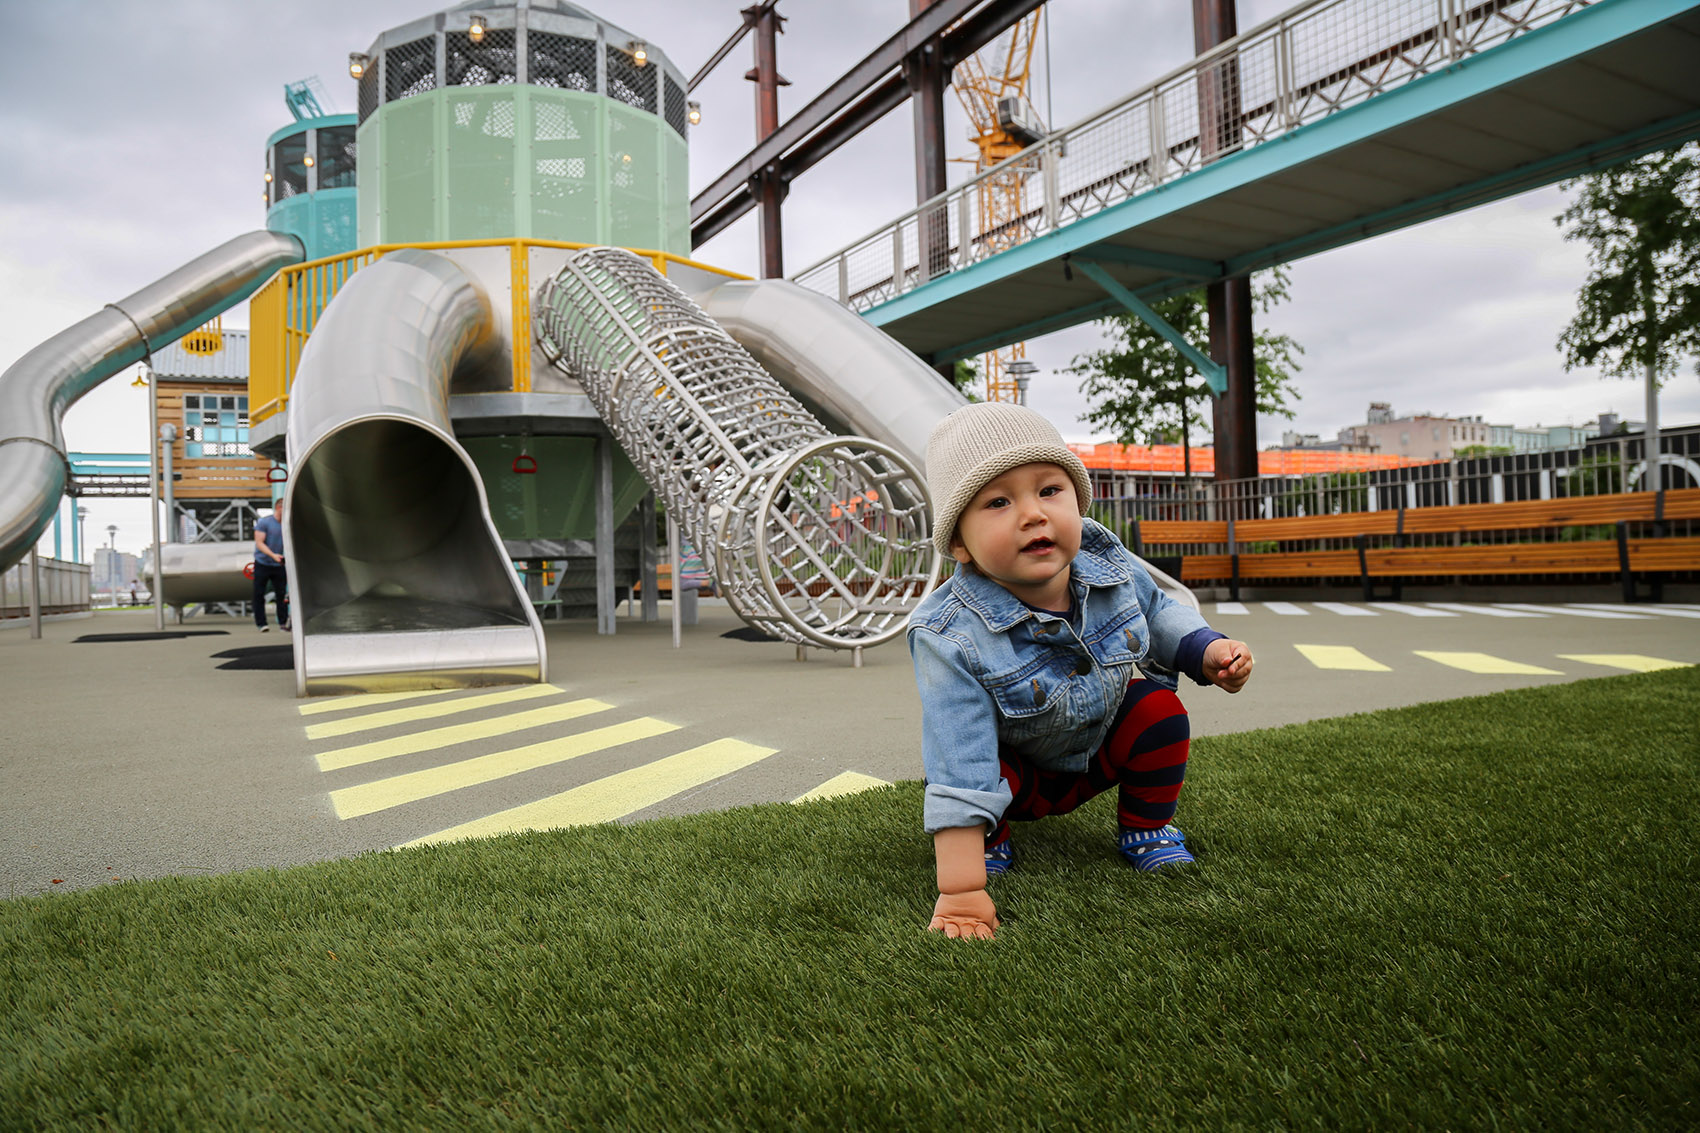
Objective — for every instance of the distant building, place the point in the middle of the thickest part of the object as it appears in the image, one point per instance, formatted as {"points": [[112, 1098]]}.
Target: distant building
{"points": [[1422, 436]]}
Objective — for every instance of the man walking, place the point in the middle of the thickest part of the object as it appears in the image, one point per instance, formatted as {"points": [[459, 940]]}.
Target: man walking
{"points": [[268, 569]]}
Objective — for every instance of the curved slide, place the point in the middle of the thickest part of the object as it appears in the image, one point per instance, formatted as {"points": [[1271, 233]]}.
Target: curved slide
{"points": [[37, 389], [847, 371], [398, 577]]}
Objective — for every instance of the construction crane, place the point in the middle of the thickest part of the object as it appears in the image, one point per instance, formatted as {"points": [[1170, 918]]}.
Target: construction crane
{"points": [[992, 87]]}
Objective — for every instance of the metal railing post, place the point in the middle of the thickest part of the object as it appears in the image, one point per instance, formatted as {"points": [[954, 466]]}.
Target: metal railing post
{"points": [[844, 279], [965, 228], [1051, 202], [1159, 139], [897, 259]]}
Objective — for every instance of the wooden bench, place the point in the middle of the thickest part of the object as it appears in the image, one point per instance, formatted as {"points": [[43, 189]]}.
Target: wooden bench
{"points": [[1380, 551]]}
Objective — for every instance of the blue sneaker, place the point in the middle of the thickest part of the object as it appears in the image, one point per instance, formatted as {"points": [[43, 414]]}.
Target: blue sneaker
{"points": [[998, 859], [1154, 849]]}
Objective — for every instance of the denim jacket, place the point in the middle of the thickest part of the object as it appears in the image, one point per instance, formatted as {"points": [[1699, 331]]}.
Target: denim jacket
{"points": [[995, 672]]}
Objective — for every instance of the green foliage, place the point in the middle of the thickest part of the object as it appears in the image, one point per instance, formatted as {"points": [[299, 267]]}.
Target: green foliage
{"points": [[1143, 391], [1599, 474], [965, 376], [1468, 452], [1640, 306], [1326, 493], [1340, 959]]}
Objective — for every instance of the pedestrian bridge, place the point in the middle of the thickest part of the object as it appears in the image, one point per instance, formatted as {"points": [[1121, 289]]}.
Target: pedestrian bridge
{"points": [[1338, 121]]}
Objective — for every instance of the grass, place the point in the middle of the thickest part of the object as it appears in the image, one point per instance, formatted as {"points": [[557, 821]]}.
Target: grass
{"points": [[1475, 914]]}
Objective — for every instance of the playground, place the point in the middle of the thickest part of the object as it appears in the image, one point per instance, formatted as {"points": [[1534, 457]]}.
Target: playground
{"points": [[581, 784]]}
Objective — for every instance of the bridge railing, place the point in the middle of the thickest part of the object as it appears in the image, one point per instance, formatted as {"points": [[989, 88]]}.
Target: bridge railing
{"points": [[1321, 57]]}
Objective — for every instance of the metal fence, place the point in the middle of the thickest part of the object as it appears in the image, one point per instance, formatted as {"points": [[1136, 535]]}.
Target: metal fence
{"points": [[64, 588], [1311, 62], [1603, 466]]}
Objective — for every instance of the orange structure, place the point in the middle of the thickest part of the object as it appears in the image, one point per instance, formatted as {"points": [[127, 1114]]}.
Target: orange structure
{"points": [[1170, 459]]}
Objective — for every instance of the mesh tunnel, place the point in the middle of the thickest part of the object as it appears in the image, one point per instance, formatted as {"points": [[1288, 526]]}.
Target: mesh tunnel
{"points": [[811, 537]]}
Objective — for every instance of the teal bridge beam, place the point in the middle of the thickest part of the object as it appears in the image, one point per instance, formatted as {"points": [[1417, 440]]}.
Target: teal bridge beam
{"points": [[1215, 374], [1489, 99]]}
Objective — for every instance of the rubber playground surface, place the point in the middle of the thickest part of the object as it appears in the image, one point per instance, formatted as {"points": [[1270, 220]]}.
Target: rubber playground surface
{"points": [[132, 758]]}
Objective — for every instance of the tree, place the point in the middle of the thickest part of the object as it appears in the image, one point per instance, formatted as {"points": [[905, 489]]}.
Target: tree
{"points": [[965, 376], [1638, 313], [1143, 391]]}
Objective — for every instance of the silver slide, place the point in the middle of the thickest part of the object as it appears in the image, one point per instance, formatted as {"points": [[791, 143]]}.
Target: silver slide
{"points": [[847, 371], [37, 389], [398, 578]]}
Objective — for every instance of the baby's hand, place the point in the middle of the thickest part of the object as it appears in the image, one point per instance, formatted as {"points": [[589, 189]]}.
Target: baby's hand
{"points": [[1227, 663], [964, 915]]}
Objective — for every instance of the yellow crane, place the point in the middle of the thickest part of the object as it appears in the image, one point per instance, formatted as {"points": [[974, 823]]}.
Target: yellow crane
{"points": [[992, 87]]}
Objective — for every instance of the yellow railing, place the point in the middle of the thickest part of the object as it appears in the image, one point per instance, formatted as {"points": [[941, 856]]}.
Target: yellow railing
{"points": [[284, 312]]}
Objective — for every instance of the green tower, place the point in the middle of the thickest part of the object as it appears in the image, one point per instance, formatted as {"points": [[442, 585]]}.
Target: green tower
{"points": [[535, 119]]}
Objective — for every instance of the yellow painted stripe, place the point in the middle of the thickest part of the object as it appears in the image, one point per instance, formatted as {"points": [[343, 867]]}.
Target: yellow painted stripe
{"points": [[352, 802], [426, 711], [1634, 662], [849, 783], [1487, 663], [367, 700], [1341, 657], [435, 738], [615, 796]]}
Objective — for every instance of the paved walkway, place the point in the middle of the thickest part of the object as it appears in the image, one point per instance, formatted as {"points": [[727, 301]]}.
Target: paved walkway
{"points": [[130, 759]]}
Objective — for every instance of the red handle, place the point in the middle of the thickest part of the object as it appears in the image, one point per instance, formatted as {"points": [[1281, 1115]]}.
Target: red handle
{"points": [[277, 475], [525, 465]]}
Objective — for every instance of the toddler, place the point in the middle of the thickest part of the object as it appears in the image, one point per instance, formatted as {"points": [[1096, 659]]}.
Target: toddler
{"points": [[1046, 664]]}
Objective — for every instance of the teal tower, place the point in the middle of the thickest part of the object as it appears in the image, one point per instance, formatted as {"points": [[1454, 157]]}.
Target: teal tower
{"points": [[533, 119], [310, 183]]}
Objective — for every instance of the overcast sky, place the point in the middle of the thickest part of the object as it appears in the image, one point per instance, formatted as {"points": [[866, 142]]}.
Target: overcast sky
{"points": [[132, 139]]}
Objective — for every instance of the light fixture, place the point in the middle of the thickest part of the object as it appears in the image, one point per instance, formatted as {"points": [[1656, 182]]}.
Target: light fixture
{"points": [[476, 29], [358, 61], [640, 52], [625, 159], [268, 177], [307, 160], [693, 111]]}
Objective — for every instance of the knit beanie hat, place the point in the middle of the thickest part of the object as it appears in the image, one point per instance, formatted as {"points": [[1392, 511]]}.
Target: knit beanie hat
{"points": [[980, 442]]}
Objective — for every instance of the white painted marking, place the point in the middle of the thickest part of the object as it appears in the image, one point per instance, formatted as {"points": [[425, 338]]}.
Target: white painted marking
{"points": [[1348, 611], [1287, 608], [1414, 611], [1572, 612], [1490, 611], [1231, 608], [1650, 608]]}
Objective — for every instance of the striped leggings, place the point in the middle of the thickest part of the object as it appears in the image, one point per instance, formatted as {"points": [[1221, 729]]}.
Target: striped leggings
{"points": [[1144, 756]]}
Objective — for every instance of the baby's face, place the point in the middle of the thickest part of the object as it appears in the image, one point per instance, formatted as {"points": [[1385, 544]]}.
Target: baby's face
{"points": [[1022, 530]]}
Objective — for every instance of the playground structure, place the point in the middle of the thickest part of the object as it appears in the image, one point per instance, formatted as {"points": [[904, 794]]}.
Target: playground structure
{"points": [[502, 140]]}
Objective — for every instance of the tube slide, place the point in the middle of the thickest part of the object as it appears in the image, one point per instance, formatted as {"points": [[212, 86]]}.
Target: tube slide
{"points": [[847, 371], [398, 577], [37, 389]]}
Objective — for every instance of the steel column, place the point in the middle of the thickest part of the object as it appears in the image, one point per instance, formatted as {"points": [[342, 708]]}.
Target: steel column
{"points": [[770, 185], [927, 76], [1229, 302]]}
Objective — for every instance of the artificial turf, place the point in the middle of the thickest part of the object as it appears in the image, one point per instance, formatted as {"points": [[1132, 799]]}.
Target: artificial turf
{"points": [[1481, 913]]}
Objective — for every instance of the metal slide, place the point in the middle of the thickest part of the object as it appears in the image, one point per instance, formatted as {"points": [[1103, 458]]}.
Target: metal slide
{"points": [[847, 371], [37, 389], [813, 538], [398, 578]]}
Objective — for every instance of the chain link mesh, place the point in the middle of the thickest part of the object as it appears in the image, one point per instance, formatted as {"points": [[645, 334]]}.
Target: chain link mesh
{"points": [[563, 61], [491, 62], [629, 83], [675, 108], [812, 538], [410, 69]]}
